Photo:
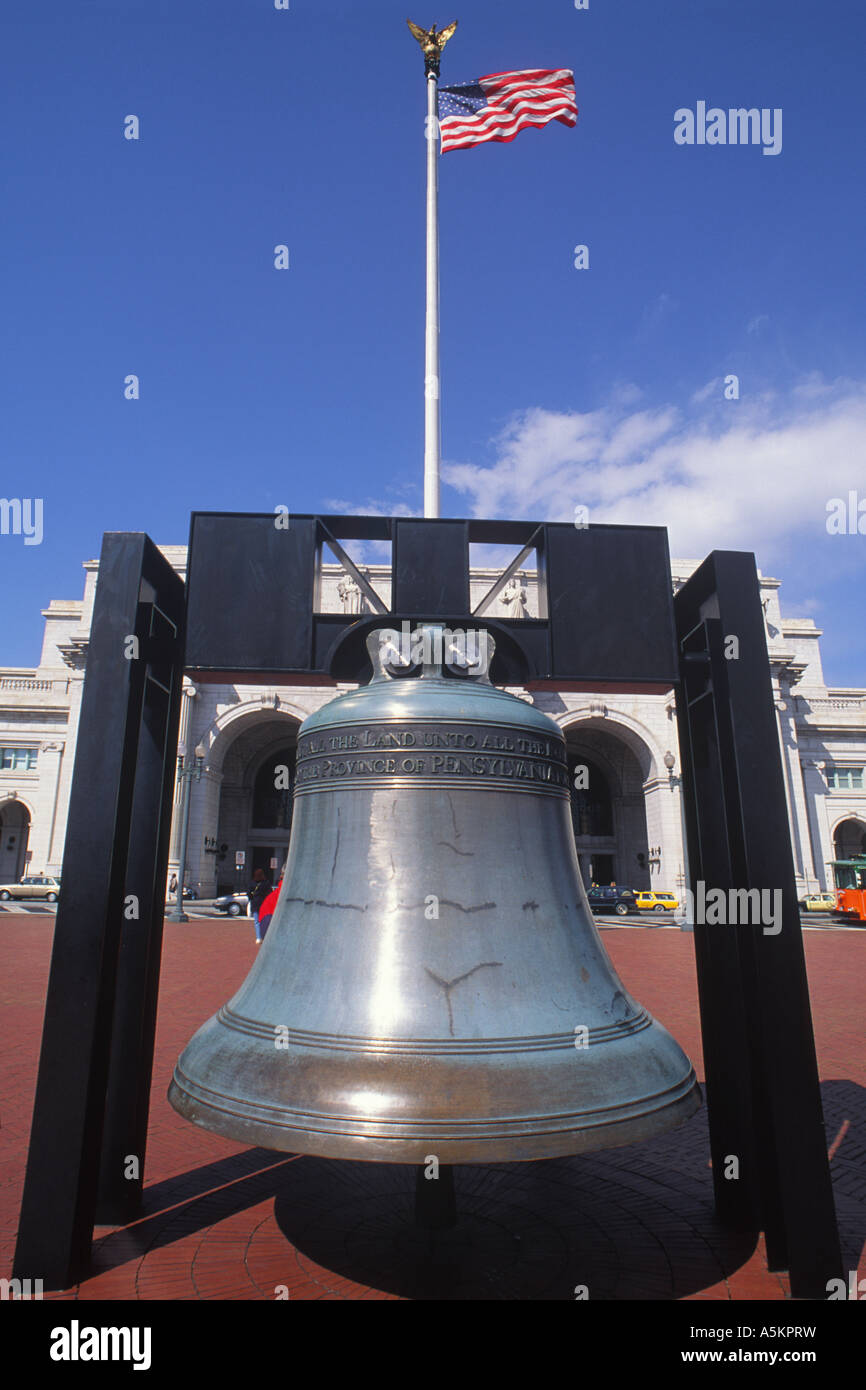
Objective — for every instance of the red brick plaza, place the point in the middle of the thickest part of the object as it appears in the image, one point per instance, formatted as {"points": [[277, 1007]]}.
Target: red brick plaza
{"points": [[222, 1221]]}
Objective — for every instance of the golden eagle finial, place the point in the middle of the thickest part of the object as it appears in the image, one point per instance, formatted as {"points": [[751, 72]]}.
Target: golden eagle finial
{"points": [[432, 43]]}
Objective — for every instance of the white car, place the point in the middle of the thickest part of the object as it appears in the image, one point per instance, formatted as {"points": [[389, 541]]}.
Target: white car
{"points": [[34, 886]]}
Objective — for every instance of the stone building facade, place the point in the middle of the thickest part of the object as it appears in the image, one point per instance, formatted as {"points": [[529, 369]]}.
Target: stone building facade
{"points": [[627, 819]]}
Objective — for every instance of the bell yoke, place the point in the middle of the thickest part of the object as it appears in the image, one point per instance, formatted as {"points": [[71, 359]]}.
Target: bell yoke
{"points": [[432, 980]]}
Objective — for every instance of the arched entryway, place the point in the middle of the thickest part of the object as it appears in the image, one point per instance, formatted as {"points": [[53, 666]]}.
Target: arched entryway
{"points": [[252, 766], [271, 814], [849, 838], [609, 768], [593, 788], [14, 836]]}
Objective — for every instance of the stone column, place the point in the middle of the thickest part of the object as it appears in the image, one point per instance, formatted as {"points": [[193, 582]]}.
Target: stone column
{"points": [[815, 792], [50, 766], [663, 831], [185, 742], [67, 766], [203, 823], [797, 817]]}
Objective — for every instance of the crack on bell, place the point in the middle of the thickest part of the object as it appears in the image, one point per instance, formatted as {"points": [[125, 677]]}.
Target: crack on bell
{"points": [[319, 902], [480, 907], [466, 853], [336, 847], [448, 985], [446, 902]]}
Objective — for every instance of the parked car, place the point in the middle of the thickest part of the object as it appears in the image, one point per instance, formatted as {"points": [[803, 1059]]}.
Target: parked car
{"points": [[819, 902], [612, 899], [232, 903], [656, 901], [34, 886]]}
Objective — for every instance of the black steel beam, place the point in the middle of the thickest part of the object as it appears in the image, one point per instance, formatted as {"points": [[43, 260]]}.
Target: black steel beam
{"points": [[430, 567], [762, 1075], [250, 592], [86, 980], [604, 592], [124, 1138], [609, 603]]}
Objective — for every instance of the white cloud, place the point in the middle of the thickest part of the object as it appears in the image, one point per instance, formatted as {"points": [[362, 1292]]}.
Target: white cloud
{"points": [[715, 387], [733, 474], [339, 506], [634, 434], [625, 393]]}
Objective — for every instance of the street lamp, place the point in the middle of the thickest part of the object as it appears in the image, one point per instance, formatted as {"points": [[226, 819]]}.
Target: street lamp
{"points": [[186, 771], [670, 763]]}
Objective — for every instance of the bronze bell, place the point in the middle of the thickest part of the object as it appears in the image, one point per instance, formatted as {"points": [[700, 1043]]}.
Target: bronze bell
{"points": [[432, 981]]}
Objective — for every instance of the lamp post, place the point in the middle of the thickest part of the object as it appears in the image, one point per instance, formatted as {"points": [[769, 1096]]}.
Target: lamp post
{"points": [[186, 771], [677, 782]]}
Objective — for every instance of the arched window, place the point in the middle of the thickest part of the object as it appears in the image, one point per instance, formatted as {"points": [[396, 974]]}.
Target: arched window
{"points": [[272, 793], [591, 806]]}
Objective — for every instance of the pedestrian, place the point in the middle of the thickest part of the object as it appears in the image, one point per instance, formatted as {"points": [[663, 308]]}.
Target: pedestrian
{"points": [[266, 911], [257, 892], [172, 885]]}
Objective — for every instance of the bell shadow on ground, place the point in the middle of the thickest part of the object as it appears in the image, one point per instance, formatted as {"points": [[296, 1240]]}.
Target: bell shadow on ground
{"points": [[629, 1223]]}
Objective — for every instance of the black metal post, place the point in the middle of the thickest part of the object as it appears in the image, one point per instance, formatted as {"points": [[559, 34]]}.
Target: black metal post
{"points": [[763, 1093], [124, 1138], [104, 965]]}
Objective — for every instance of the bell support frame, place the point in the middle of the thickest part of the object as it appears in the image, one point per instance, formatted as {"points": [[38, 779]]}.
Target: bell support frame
{"points": [[607, 620]]}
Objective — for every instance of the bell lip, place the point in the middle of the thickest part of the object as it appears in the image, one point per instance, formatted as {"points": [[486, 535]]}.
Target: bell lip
{"points": [[537, 1139]]}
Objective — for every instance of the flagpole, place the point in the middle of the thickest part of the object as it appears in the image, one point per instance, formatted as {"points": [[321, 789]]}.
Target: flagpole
{"points": [[432, 418], [432, 42]]}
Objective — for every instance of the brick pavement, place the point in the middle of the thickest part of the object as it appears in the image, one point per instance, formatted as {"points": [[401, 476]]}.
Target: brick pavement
{"points": [[222, 1221]]}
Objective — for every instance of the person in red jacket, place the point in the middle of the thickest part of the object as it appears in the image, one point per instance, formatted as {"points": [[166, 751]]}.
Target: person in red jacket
{"points": [[266, 912]]}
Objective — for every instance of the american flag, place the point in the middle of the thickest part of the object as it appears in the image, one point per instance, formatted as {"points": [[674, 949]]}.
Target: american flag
{"points": [[499, 105]]}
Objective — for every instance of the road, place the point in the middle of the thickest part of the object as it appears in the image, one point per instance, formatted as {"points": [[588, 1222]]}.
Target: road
{"points": [[199, 909]]}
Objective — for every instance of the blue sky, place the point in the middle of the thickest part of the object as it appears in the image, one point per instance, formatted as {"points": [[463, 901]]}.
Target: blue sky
{"points": [[603, 387]]}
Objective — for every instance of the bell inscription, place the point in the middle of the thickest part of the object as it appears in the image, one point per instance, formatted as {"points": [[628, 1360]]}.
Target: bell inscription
{"points": [[439, 751]]}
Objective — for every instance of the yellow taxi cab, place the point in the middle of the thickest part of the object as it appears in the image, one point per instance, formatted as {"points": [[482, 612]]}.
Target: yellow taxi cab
{"points": [[819, 902], [657, 901]]}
